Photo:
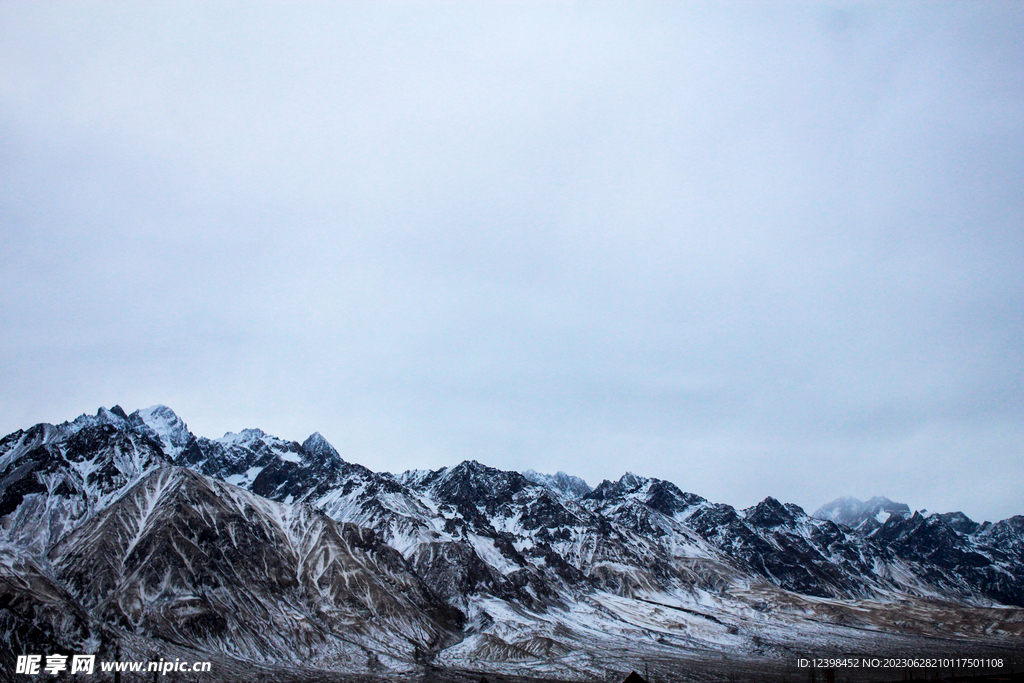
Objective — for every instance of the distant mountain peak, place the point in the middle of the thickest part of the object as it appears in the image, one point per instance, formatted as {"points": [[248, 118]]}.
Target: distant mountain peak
{"points": [[567, 484], [170, 429], [245, 436], [115, 414], [771, 513], [862, 516], [320, 450], [960, 522], [630, 481]]}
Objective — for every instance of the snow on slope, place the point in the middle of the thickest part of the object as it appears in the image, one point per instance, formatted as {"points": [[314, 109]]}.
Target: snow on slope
{"points": [[186, 558], [53, 478]]}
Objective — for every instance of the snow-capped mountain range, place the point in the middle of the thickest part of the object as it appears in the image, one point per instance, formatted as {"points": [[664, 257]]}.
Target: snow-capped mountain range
{"points": [[126, 531]]}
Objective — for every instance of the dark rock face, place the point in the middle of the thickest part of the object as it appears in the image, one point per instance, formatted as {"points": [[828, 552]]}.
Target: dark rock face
{"points": [[959, 522], [666, 498], [956, 561], [453, 570], [545, 512], [22, 479], [187, 559], [1007, 535], [470, 484], [948, 551], [37, 614], [770, 513]]}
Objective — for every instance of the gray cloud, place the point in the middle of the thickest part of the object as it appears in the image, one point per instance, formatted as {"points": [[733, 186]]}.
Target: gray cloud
{"points": [[769, 250]]}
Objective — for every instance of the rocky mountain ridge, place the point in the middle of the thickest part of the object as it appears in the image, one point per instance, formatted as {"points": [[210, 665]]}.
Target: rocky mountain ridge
{"points": [[146, 531]]}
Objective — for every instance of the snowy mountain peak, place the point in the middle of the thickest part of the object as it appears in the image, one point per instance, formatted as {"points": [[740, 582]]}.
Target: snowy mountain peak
{"points": [[630, 481], [244, 437], [113, 417], [771, 513], [170, 429], [667, 498], [320, 450], [959, 522], [574, 487], [862, 516], [472, 483]]}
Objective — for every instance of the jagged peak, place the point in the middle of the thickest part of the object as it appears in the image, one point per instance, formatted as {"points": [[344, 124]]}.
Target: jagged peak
{"points": [[471, 480], [959, 522], [474, 466], [606, 490], [170, 429], [158, 411], [246, 435], [563, 483], [38, 434], [795, 510], [630, 481], [115, 415], [316, 445], [771, 513], [667, 498], [854, 513], [103, 416]]}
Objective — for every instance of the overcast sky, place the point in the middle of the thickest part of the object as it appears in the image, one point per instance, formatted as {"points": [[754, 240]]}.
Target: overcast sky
{"points": [[754, 250]]}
